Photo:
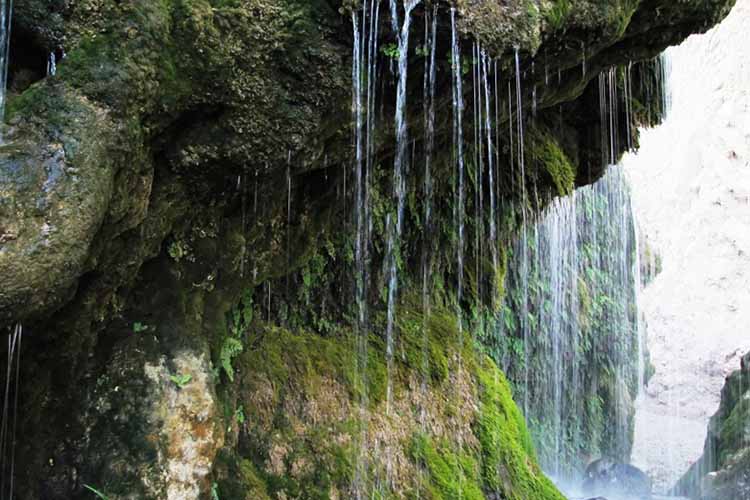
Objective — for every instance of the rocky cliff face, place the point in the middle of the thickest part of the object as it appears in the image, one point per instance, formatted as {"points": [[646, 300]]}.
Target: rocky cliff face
{"points": [[175, 236], [723, 472], [700, 223]]}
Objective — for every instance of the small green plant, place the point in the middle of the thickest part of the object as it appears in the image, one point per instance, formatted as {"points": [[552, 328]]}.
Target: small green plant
{"points": [[181, 380], [390, 50], [179, 250], [96, 492], [215, 492], [231, 348], [557, 15], [422, 51], [242, 314], [139, 327], [239, 415]]}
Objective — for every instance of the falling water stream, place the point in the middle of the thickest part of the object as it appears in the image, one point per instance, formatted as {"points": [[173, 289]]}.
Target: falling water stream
{"points": [[458, 108], [524, 313], [365, 25], [430, 36], [9, 419], [490, 163], [571, 299], [399, 189], [562, 355], [6, 15]]}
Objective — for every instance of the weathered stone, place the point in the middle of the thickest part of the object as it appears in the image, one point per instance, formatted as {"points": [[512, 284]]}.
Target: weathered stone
{"points": [[607, 477], [126, 185], [723, 472]]}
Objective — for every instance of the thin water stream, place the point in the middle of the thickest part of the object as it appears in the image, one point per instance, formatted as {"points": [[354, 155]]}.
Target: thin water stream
{"points": [[6, 16], [9, 419]]}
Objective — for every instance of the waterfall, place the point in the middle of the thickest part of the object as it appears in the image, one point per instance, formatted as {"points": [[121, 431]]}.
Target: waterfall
{"points": [[524, 232], [364, 85], [478, 165], [430, 37], [9, 420], [6, 15], [490, 164], [573, 305], [458, 109], [581, 334], [288, 216], [393, 228], [458, 153]]}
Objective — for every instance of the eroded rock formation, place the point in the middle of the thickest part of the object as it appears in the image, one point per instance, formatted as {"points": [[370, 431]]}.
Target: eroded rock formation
{"points": [[145, 242]]}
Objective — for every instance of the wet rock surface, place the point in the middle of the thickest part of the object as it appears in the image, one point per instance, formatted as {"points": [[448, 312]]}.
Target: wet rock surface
{"points": [[127, 235], [607, 477]]}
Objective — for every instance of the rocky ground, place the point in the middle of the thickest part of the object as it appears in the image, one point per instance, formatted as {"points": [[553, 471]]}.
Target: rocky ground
{"points": [[691, 188]]}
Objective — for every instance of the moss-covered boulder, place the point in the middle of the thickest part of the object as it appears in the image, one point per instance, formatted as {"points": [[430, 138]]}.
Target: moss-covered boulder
{"points": [[305, 423]]}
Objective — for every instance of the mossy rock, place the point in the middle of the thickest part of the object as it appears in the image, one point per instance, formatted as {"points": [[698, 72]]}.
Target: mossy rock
{"points": [[307, 434]]}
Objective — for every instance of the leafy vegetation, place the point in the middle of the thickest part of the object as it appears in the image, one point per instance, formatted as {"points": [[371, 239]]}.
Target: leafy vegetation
{"points": [[139, 327], [558, 14], [390, 50], [229, 350], [181, 380]]}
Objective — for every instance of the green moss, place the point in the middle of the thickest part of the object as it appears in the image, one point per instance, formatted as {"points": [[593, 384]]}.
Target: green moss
{"points": [[448, 474], [733, 423], [557, 13], [238, 479], [508, 459], [315, 456], [549, 159]]}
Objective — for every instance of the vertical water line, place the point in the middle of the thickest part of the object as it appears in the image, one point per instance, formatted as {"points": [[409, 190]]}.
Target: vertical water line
{"points": [[524, 235], [583, 60], [511, 148], [429, 142], [6, 18], [364, 89], [458, 109], [394, 227], [288, 218], [490, 170], [497, 148], [9, 421], [478, 165]]}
